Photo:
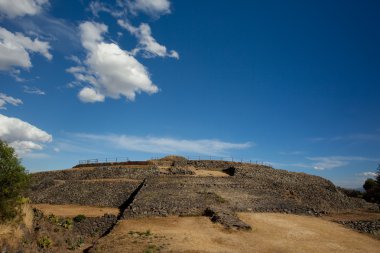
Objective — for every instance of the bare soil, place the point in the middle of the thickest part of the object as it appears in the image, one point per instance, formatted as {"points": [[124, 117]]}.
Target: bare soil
{"points": [[74, 210], [209, 173], [271, 233]]}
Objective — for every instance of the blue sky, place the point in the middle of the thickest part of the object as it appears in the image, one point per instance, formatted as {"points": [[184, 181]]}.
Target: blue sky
{"points": [[291, 83]]}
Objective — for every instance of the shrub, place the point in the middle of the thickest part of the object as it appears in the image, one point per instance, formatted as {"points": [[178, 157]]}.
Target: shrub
{"points": [[372, 188], [74, 245], [369, 184], [53, 219], [44, 242], [152, 249], [14, 181], [79, 218], [351, 192], [67, 223]]}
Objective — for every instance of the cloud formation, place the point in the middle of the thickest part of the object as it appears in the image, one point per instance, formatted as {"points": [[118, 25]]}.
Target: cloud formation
{"points": [[164, 145], [369, 174], [4, 99], [331, 162], [147, 45], [108, 70], [89, 95], [18, 8], [154, 8], [15, 49], [22, 136], [33, 90], [96, 7]]}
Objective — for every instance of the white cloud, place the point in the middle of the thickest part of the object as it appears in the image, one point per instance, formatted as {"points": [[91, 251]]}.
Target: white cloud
{"points": [[16, 8], [153, 8], [96, 7], [74, 59], [21, 135], [62, 33], [369, 174], [4, 99], [33, 90], [147, 45], [163, 145], [331, 162], [89, 95], [109, 70], [15, 49]]}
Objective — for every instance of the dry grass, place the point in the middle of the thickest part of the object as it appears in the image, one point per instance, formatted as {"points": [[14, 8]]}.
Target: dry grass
{"points": [[28, 216], [11, 233], [271, 233], [74, 210]]}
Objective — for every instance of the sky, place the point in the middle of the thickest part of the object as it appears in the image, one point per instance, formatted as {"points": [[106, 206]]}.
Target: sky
{"points": [[294, 84]]}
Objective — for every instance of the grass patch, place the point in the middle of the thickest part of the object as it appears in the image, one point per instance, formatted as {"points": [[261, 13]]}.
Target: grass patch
{"points": [[139, 233], [44, 242], [152, 249]]}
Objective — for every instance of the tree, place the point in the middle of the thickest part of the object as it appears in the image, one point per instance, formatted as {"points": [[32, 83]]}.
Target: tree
{"points": [[372, 188], [369, 184], [14, 180]]}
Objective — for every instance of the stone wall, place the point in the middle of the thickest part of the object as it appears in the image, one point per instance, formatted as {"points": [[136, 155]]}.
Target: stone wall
{"points": [[90, 193], [171, 195], [97, 173]]}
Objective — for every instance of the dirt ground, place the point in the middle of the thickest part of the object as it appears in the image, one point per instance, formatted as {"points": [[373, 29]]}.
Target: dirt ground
{"points": [[74, 210], [271, 233], [208, 173]]}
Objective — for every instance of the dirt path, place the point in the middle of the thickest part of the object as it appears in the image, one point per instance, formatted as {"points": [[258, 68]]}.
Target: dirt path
{"points": [[271, 233], [74, 210]]}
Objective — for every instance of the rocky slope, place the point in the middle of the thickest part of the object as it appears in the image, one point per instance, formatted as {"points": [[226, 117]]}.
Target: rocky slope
{"points": [[245, 187]]}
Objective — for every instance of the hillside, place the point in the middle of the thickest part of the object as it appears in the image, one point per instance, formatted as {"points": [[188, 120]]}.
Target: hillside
{"points": [[216, 190], [185, 188]]}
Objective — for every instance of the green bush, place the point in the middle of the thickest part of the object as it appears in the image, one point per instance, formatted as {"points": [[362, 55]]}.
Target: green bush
{"points": [[53, 219], [79, 218], [372, 188], [44, 242], [369, 184], [67, 223], [14, 181], [73, 245]]}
